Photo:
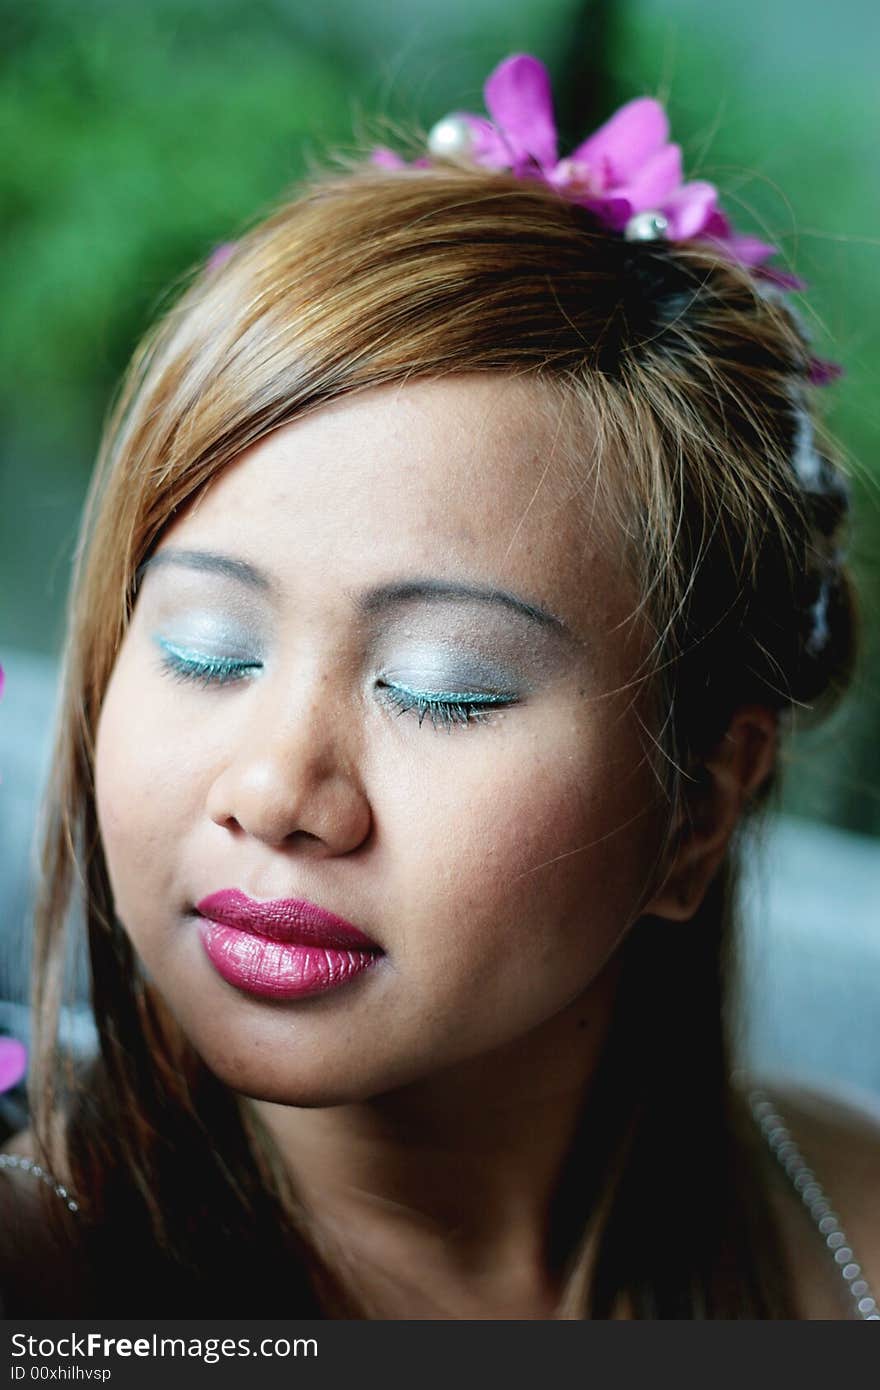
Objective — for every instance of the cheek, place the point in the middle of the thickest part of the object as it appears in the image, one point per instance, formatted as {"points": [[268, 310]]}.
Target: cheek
{"points": [[535, 864], [142, 790]]}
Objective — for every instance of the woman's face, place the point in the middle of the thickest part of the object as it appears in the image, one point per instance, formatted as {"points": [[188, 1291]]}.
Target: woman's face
{"points": [[262, 732]]}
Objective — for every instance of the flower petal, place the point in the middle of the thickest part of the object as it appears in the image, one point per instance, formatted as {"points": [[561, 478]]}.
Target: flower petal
{"points": [[488, 145], [613, 211], [519, 100], [656, 181], [689, 209], [387, 159], [717, 225], [748, 250], [783, 278], [822, 372], [627, 140], [13, 1062]]}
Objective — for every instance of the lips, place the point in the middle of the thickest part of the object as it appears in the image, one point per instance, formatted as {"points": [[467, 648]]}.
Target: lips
{"points": [[284, 949], [285, 919]]}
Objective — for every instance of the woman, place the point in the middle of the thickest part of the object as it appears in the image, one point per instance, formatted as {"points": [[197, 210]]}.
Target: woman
{"points": [[453, 568]]}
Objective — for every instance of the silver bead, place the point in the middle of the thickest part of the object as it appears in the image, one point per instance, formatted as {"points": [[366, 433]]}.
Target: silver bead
{"points": [[646, 226], [778, 1139], [450, 137]]}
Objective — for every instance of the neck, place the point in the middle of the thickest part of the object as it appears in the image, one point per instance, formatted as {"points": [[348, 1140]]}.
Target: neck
{"points": [[458, 1175]]}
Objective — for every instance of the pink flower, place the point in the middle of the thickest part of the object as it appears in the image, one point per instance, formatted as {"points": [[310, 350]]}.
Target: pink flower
{"points": [[13, 1062], [625, 167]]}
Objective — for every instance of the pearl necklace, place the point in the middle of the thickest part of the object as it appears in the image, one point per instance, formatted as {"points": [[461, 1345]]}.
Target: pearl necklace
{"points": [[771, 1126], [27, 1165]]}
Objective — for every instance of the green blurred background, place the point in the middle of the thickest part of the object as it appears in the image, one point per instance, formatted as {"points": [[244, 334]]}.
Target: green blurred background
{"points": [[139, 135]]}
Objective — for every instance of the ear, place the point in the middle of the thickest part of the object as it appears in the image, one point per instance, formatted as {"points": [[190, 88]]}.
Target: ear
{"points": [[732, 773]]}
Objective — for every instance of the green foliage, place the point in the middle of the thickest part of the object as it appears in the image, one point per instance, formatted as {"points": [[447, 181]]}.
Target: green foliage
{"points": [[133, 145]]}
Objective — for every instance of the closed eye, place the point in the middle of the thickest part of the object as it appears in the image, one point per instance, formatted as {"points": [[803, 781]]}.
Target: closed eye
{"points": [[449, 707], [203, 670]]}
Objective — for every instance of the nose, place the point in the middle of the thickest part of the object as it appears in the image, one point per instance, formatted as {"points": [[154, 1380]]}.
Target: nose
{"points": [[289, 773]]}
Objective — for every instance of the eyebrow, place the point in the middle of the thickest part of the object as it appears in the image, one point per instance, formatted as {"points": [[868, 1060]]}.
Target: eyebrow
{"points": [[385, 596], [208, 562], [379, 598]]}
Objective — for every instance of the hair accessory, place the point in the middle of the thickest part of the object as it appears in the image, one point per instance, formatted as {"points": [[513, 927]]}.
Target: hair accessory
{"points": [[627, 173]]}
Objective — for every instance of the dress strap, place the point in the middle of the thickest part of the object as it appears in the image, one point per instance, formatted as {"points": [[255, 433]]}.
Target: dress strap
{"points": [[27, 1165], [773, 1127]]}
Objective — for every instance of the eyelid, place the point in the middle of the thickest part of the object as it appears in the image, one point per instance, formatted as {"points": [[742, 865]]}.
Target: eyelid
{"points": [[175, 661], [210, 647], [452, 696], [452, 709]]}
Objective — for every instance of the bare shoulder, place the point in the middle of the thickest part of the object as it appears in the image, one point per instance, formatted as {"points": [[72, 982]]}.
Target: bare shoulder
{"points": [[838, 1134]]}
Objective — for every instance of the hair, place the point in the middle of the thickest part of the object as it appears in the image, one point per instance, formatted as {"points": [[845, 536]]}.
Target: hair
{"points": [[689, 376]]}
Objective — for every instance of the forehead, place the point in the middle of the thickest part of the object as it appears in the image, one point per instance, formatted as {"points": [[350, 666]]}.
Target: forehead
{"points": [[464, 477]]}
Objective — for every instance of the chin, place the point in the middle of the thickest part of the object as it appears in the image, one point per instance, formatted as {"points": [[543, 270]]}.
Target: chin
{"points": [[297, 1088]]}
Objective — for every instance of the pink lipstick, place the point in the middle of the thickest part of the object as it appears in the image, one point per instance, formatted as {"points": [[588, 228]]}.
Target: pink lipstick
{"points": [[283, 949]]}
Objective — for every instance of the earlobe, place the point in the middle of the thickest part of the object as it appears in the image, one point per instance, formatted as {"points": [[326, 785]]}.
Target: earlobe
{"points": [[729, 778]]}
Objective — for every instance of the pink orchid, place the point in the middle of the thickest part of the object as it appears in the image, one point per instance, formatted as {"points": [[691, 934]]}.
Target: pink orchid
{"points": [[13, 1062], [625, 167]]}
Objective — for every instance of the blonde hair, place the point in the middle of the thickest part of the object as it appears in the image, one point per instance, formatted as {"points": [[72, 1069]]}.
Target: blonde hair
{"points": [[692, 377]]}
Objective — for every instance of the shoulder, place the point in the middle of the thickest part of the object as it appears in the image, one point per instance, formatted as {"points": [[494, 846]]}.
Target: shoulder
{"points": [[838, 1135], [36, 1274]]}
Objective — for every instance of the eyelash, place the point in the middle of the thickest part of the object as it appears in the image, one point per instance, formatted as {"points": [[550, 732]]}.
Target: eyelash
{"points": [[452, 711], [204, 671]]}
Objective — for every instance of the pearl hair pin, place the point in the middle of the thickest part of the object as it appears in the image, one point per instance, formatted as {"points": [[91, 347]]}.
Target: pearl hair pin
{"points": [[450, 138]]}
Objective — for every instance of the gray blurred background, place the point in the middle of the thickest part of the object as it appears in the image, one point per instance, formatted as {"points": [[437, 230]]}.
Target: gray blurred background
{"points": [[141, 134]]}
